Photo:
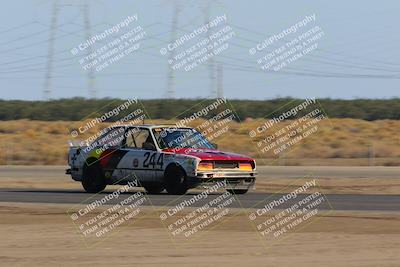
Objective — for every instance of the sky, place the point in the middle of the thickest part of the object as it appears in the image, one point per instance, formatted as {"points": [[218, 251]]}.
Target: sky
{"points": [[356, 57]]}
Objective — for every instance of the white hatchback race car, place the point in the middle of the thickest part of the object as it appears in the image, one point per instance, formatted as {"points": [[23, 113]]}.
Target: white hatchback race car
{"points": [[158, 157]]}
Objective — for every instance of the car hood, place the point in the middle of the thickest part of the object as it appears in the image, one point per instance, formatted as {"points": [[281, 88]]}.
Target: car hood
{"points": [[210, 154]]}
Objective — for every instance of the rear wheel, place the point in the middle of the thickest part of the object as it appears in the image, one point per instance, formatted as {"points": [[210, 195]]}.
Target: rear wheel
{"points": [[93, 178], [237, 191], [175, 180]]}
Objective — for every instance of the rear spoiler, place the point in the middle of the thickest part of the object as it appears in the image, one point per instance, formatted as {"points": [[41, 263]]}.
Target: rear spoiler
{"points": [[77, 143]]}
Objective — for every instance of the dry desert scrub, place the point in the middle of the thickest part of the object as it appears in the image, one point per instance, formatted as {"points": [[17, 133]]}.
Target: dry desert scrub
{"points": [[349, 141]]}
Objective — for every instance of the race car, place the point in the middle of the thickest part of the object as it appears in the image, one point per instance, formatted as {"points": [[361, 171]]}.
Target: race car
{"points": [[158, 157]]}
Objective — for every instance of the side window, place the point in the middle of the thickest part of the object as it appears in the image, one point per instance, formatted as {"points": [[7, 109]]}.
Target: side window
{"points": [[113, 138], [136, 137], [130, 140], [141, 137]]}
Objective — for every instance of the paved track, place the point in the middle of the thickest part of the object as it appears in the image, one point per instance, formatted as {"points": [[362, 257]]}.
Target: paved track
{"points": [[250, 200]]}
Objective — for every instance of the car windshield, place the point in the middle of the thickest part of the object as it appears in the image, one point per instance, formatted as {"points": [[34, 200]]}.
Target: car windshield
{"points": [[180, 138]]}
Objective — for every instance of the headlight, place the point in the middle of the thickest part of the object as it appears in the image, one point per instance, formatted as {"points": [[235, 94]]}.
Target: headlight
{"points": [[245, 166], [205, 166]]}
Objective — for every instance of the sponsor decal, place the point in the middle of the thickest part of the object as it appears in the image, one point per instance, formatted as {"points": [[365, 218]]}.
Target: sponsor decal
{"points": [[135, 162]]}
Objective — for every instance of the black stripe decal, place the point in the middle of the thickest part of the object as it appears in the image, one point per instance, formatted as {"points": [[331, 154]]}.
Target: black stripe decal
{"points": [[115, 158]]}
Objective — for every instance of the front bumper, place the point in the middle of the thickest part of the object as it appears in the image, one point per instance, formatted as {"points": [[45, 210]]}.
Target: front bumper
{"points": [[233, 179]]}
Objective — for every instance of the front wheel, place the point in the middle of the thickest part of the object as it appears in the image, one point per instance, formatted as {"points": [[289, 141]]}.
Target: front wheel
{"points": [[93, 179], [175, 180], [237, 191]]}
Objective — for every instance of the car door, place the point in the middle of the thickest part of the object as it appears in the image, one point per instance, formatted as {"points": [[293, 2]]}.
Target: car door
{"points": [[138, 160]]}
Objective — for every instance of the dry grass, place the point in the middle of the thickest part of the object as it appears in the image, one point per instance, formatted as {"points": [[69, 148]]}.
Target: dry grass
{"points": [[348, 141]]}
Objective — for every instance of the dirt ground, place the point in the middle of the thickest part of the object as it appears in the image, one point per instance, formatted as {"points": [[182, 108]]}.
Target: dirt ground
{"points": [[43, 235]]}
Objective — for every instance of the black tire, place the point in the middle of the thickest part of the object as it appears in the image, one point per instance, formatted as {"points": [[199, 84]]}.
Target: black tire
{"points": [[154, 189], [175, 180], [93, 178], [237, 191]]}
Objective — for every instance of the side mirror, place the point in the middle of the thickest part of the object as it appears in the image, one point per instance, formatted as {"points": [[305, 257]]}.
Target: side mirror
{"points": [[214, 145], [149, 146]]}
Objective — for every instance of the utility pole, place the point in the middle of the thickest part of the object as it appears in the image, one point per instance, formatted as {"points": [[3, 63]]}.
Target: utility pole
{"points": [[50, 54]]}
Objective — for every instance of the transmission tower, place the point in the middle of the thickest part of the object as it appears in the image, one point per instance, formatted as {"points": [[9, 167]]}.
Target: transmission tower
{"points": [[220, 80], [91, 78], [210, 63], [50, 54], [171, 72], [47, 90]]}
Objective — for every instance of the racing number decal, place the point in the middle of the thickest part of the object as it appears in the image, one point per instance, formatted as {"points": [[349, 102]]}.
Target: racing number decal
{"points": [[150, 159]]}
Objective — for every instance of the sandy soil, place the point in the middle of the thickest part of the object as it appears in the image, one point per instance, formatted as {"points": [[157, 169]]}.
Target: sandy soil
{"points": [[43, 235]]}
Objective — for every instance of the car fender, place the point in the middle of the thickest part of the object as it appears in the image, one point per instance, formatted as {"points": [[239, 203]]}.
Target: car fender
{"points": [[186, 162]]}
